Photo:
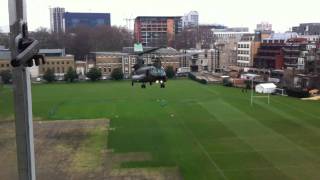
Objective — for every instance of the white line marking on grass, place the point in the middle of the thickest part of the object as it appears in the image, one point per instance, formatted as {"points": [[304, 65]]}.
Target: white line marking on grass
{"points": [[291, 118], [262, 150], [295, 109], [204, 150], [271, 168], [251, 126]]}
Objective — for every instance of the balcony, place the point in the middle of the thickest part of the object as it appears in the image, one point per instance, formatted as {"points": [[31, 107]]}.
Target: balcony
{"points": [[269, 51], [291, 50], [265, 57], [291, 57]]}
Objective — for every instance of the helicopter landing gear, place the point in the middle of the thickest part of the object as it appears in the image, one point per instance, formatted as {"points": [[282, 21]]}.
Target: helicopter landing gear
{"points": [[143, 86], [162, 85]]}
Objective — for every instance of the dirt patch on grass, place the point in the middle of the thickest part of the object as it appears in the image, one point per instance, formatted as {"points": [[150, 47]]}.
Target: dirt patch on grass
{"points": [[75, 150]]}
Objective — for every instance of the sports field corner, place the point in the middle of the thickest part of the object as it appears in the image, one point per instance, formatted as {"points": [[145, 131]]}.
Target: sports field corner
{"points": [[196, 131]]}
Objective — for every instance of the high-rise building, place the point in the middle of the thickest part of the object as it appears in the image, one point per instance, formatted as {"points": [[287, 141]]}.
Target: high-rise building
{"points": [[264, 27], [190, 19], [157, 30], [73, 20], [56, 19]]}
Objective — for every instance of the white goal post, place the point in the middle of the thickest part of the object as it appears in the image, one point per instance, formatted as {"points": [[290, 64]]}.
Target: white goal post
{"points": [[280, 91], [254, 96]]}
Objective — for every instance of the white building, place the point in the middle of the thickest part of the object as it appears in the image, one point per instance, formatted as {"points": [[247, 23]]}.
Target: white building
{"points": [[244, 53], [226, 36], [226, 40], [57, 20], [246, 50], [190, 19], [264, 27]]}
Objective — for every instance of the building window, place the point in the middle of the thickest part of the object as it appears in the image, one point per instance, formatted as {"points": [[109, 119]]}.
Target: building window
{"points": [[104, 69], [126, 60], [58, 62], [109, 68], [62, 69], [62, 62], [58, 70], [7, 65], [67, 62], [2, 65], [133, 60]]}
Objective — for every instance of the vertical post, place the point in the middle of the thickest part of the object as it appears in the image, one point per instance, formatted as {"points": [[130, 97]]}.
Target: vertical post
{"points": [[251, 91], [22, 97]]}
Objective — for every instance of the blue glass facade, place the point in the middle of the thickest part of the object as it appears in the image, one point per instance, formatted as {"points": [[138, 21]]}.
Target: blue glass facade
{"points": [[88, 19]]}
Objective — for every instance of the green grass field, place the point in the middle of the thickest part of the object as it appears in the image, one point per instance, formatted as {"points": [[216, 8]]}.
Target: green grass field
{"points": [[208, 131]]}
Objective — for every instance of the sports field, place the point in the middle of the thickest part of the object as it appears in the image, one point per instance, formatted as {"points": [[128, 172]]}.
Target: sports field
{"points": [[206, 131]]}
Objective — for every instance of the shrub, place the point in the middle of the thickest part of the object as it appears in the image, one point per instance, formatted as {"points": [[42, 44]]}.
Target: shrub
{"points": [[94, 74], [297, 93], [6, 76], [117, 74], [170, 72], [49, 76], [71, 75]]}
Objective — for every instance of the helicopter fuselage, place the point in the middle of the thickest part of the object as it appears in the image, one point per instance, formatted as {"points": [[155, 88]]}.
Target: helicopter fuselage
{"points": [[149, 74]]}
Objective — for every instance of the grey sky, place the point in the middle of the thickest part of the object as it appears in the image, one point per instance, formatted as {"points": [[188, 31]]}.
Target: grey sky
{"points": [[283, 14]]}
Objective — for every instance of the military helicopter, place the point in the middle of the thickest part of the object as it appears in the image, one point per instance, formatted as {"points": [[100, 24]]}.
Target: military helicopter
{"points": [[149, 73]]}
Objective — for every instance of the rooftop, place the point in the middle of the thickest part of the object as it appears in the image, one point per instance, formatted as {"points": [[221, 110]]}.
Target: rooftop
{"points": [[158, 17], [282, 36], [5, 54]]}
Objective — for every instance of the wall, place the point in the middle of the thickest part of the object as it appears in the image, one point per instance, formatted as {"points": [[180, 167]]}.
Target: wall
{"points": [[59, 65]]}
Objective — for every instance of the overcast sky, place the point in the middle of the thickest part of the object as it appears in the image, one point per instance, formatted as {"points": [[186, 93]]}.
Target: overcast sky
{"points": [[283, 14]]}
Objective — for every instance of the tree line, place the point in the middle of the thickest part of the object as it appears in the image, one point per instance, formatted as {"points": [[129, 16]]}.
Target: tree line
{"points": [[82, 40], [71, 75]]}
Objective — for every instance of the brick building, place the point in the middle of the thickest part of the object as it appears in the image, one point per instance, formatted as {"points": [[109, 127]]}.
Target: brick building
{"points": [[108, 61], [294, 52], [153, 31], [270, 54], [58, 64]]}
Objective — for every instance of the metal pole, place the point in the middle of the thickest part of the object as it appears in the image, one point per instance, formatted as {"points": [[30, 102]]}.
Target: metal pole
{"points": [[22, 97], [251, 91]]}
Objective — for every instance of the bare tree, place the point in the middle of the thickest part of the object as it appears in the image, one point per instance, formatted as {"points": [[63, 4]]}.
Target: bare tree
{"points": [[189, 38], [81, 40], [106, 38], [186, 39], [77, 42], [47, 39]]}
